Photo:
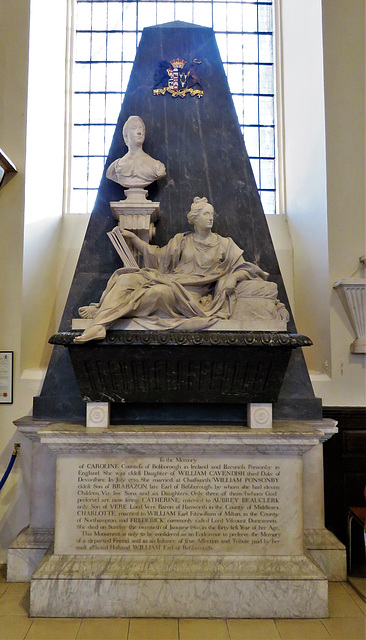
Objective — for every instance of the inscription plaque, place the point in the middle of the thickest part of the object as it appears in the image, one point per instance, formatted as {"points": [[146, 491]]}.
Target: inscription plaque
{"points": [[188, 505]]}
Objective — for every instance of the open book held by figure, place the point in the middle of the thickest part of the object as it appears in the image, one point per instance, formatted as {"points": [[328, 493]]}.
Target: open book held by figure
{"points": [[197, 279]]}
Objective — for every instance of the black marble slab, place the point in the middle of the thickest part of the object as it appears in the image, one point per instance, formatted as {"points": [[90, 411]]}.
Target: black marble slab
{"points": [[200, 142]]}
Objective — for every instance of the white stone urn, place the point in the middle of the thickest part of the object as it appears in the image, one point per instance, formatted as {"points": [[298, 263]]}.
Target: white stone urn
{"points": [[352, 292]]}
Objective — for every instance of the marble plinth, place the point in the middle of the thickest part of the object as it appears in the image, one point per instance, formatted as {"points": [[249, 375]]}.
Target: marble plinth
{"points": [[323, 547], [152, 586], [179, 522], [26, 552], [328, 553]]}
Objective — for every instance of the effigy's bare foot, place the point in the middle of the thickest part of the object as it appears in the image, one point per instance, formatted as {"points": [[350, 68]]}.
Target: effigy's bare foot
{"points": [[96, 332], [89, 311]]}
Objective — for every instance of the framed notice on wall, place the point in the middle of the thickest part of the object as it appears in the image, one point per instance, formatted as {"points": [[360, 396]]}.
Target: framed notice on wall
{"points": [[6, 377]]}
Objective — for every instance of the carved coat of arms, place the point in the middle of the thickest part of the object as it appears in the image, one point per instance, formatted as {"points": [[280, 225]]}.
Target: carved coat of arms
{"points": [[178, 78]]}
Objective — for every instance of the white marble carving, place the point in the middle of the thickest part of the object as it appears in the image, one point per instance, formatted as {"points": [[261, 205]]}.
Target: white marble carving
{"points": [[97, 415], [137, 217], [259, 415], [352, 292], [191, 283], [135, 170]]}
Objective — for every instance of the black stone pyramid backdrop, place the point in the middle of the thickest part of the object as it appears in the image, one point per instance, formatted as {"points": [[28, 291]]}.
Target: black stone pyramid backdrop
{"points": [[200, 142]]}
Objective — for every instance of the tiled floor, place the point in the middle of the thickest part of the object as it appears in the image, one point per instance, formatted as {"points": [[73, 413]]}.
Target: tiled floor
{"points": [[346, 622]]}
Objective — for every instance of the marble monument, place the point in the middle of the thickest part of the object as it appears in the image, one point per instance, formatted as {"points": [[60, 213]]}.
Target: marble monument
{"points": [[166, 508]]}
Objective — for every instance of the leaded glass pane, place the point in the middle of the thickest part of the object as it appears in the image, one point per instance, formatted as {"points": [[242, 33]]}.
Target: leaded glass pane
{"points": [[250, 78], [112, 107], [97, 108], [96, 142], [202, 14], [251, 141], [234, 18], [114, 46], [250, 17], [98, 49], [165, 12], [83, 46], [97, 76], [129, 10], [267, 142], [114, 77], [99, 15], [146, 14], [115, 13], [267, 174]]}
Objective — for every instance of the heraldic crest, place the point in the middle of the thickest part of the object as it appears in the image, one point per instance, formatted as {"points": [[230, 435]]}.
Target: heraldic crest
{"points": [[178, 78]]}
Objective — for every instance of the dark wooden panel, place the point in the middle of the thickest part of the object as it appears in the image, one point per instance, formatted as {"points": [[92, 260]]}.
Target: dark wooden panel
{"points": [[354, 442], [344, 467]]}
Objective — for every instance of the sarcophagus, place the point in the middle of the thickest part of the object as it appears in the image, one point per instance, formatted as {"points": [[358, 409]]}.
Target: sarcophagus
{"points": [[182, 366]]}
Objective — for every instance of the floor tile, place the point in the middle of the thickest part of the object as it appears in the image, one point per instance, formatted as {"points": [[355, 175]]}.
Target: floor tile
{"points": [[354, 595], [302, 630], [99, 628], [3, 588], [341, 604], [346, 628], [153, 629], [202, 629], [15, 600], [14, 627], [359, 585], [252, 630], [53, 629], [348, 587]]}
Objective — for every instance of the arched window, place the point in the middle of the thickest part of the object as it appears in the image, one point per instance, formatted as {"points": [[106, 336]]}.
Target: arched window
{"points": [[106, 35]]}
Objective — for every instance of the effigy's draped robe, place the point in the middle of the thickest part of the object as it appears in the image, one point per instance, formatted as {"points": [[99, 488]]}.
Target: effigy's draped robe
{"points": [[183, 278]]}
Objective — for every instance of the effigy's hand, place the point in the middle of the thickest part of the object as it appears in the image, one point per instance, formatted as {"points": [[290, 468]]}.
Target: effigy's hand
{"points": [[128, 234], [134, 239], [227, 284]]}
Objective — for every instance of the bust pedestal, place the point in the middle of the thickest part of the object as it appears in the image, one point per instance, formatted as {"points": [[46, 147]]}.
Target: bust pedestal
{"points": [[139, 217]]}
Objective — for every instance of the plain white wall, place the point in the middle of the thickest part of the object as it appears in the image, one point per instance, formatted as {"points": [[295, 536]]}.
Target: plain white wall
{"points": [[305, 171], [344, 75], [14, 507], [324, 219]]}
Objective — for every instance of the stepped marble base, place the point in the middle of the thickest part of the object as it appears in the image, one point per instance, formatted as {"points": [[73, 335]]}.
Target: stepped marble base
{"points": [[26, 552], [188, 521], [153, 586], [30, 545], [328, 553]]}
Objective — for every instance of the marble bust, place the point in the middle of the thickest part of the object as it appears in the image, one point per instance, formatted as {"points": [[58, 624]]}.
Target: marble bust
{"points": [[197, 279], [136, 169]]}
